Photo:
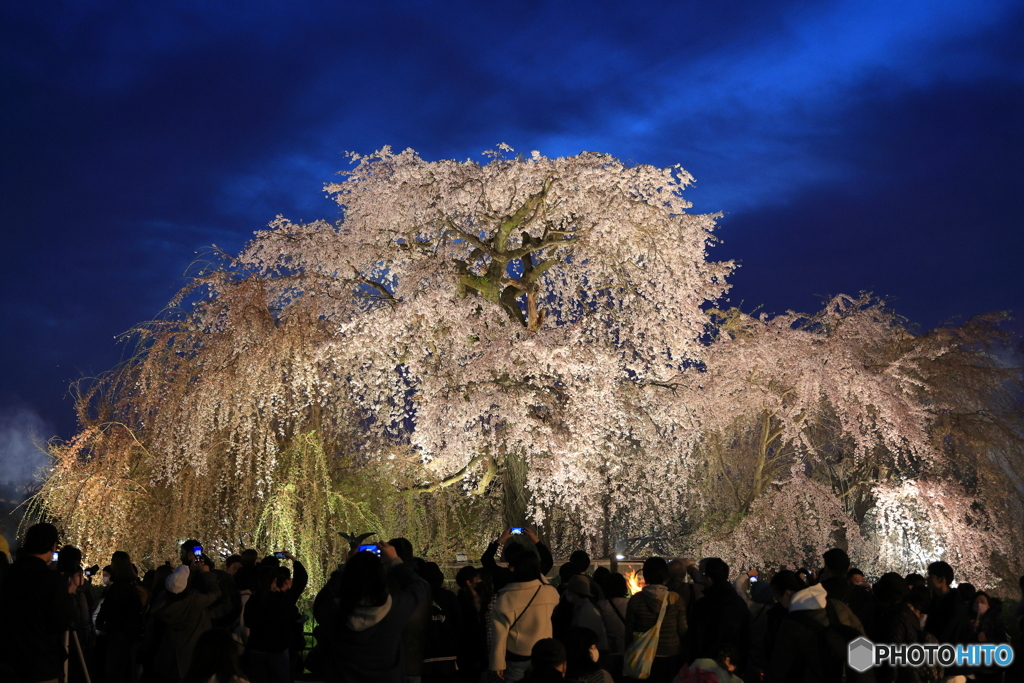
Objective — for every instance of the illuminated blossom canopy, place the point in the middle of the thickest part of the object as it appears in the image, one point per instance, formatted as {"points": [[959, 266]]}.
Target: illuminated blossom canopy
{"points": [[540, 333]]}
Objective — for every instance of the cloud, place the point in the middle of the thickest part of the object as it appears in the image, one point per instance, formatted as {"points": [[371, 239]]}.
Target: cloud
{"points": [[22, 432], [929, 222], [138, 134]]}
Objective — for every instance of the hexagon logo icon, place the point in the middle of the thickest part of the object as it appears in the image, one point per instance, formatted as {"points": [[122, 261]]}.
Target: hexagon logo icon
{"points": [[861, 655]]}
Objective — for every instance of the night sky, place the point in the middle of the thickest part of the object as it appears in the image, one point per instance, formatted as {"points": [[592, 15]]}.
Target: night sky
{"points": [[871, 145]]}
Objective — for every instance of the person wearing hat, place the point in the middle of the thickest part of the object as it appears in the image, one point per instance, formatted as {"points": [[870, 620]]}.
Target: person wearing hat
{"points": [[577, 609], [191, 590], [547, 662]]}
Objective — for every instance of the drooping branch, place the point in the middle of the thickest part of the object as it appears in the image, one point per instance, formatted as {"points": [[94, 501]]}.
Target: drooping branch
{"points": [[489, 472]]}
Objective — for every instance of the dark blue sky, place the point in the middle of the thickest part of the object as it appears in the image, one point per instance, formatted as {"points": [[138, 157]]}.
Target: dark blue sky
{"points": [[866, 145]]}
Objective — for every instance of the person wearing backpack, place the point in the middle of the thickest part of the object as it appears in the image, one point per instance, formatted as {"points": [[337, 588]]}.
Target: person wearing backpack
{"points": [[613, 613], [836, 581], [812, 640]]}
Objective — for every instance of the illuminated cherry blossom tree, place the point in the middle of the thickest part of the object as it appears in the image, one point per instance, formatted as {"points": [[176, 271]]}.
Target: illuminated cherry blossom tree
{"points": [[529, 339], [460, 316]]}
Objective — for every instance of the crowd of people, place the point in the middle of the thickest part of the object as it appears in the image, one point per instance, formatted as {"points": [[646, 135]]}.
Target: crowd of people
{"points": [[385, 615]]}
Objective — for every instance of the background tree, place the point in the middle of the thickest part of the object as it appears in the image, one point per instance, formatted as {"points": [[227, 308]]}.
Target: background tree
{"points": [[848, 408]]}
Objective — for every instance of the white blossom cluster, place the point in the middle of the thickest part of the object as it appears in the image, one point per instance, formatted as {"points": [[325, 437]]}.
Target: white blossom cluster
{"points": [[529, 302]]}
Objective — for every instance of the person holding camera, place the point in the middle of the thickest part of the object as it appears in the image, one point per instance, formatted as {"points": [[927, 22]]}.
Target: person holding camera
{"points": [[271, 615], [520, 617], [37, 611], [513, 541], [362, 611]]}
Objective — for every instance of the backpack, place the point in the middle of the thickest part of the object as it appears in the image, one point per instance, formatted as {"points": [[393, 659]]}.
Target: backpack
{"points": [[833, 646]]}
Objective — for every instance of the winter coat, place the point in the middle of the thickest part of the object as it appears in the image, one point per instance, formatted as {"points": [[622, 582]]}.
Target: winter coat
{"points": [[528, 605], [947, 618], [36, 611], [949, 623], [185, 619], [225, 612], [473, 634], [580, 612], [642, 614], [120, 610], [860, 600], [797, 655], [901, 626], [272, 617], [613, 613], [366, 645], [720, 619], [441, 645], [500, 576], [414, 639]]}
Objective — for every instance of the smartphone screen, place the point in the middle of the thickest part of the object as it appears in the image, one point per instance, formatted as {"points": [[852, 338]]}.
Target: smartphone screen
{"points": [[753, 579], [197, 550], [55, 555], [280, 555], [516, 531], [370, 548]]}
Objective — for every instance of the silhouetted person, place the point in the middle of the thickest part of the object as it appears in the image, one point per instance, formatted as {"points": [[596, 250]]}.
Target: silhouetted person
{"points": [[36, 611]]}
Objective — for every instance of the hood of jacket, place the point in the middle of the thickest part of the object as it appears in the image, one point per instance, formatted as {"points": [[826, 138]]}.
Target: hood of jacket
{"points": [[365, 616], [814, 597], [178, 579], [656, 591], [522, 586]]}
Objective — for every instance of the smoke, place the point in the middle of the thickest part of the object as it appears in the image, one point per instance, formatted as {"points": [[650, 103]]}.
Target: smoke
{"points": [[22, 461]]}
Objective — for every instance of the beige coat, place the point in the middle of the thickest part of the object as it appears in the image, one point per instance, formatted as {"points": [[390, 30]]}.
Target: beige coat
{"points": [[534, 622]]}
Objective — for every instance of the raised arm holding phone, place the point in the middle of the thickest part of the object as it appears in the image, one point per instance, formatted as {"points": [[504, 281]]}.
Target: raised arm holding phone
{"points": [[363, 619], [500, 575]]}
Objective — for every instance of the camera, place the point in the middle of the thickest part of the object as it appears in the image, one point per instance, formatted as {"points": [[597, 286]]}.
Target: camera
{"points": [[369, 548], [93, 570]]}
